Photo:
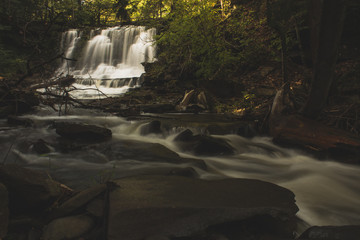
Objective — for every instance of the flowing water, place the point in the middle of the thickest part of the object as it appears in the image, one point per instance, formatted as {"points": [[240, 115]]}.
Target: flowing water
{"points": [[111, 61], [327, 192]]}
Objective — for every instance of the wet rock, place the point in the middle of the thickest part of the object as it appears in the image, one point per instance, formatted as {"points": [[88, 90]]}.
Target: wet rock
{"points": [[18, 121], [68, 227], [186, 135], [82, 131], [185, 172], [147, 152], [175, 206], [153, 127], [4, 211], [202, 145], [30, 191], [331, 233], [78, 201], [41, 147], [96, 207], [246, 130]]}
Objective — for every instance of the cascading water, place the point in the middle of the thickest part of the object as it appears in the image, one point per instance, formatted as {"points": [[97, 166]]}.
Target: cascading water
{"points": [[111, 61], [68, 43], [327, 192]]}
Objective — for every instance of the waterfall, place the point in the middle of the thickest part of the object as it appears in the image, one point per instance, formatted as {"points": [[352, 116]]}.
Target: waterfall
{"points": [[68, 44], [112, 58]]}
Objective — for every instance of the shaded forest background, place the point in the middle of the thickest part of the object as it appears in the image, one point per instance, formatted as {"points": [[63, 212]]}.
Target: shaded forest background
{"points": [[239, 50]]}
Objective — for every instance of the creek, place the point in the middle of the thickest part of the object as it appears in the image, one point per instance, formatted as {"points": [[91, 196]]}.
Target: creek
{"points": [[327, 192]]}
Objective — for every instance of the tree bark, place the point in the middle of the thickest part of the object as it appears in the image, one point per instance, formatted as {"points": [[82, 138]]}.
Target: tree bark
{"points": [[327, 17]]}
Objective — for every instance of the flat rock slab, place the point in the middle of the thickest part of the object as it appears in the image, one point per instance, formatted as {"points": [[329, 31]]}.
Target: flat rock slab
{"points": [[146, 206], [30, 191]]}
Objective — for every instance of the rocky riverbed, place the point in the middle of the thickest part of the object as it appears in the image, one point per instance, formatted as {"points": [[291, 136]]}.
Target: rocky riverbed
{"points": [[164, 176]]}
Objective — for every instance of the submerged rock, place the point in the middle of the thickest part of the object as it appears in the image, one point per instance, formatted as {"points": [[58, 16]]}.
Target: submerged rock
{"points": [[82, 131], [203, 145], [147, 206]]}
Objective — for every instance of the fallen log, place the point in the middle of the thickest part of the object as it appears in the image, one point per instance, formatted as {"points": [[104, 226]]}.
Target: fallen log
{"points": [[323, 141], [62, 82]]}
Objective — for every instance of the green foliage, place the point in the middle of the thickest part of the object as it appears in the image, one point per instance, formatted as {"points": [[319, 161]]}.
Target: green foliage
{"points": [[209, 42], [286, 17]]}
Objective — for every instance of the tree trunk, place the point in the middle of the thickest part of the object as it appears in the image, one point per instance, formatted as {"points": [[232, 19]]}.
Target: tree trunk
{"points": [[326, 28]]}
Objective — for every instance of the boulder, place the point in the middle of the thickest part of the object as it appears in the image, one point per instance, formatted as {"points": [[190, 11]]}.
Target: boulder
{"points": [[41, 147], [331, 233], [146, 206], [30, 191], [4, 211], [82, 131], [68, 227], [203, 145]]}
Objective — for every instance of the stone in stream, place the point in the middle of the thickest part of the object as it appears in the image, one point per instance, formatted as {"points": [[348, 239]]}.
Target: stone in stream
{"points": [[202, 145], [145, 152], [41, 147], [78, 201], [30, 191], [4, 211], [153, 127], [331, 233], [68, 227], [82, 131], [173, 206]]}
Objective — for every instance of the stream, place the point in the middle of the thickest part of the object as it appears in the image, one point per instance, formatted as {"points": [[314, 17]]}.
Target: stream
{"points": [[327, 192]]}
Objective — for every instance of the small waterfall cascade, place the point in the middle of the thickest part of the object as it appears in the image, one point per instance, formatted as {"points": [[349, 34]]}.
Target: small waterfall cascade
{"points": [[112, 58], [68, 43]]}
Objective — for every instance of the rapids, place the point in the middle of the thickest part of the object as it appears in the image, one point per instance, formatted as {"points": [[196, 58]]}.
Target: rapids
{"points": [[327, 192]]}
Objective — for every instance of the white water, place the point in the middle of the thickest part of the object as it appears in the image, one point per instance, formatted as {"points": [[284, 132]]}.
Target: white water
{"points": [[327, 193], [112, 58]]}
